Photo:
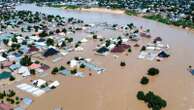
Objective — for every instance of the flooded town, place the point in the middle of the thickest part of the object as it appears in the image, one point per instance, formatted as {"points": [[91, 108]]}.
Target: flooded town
{"points": [[96, 55]]}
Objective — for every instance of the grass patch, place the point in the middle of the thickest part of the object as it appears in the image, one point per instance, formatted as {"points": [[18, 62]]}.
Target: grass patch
{"points": [[131, 12], [64, 6]]}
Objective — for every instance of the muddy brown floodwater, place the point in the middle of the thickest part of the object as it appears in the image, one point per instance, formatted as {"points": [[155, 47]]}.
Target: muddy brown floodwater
{"points": [[116, 88]]}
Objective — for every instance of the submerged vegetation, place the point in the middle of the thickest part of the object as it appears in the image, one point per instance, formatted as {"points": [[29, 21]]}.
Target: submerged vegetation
{"points": [[64, 6], [9, 97], [144, 80], [153, 71], [181, 22], [131, 12], [152, 100]]}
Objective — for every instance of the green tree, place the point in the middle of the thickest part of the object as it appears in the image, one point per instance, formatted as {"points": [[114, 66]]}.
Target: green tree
{"points": [[140, 95], [50, 42], [144, 80], [74, 71], [129, 50], [153, 71], [55, 70], [26, 61], [122, 64], [32, 71], [11, 78]]}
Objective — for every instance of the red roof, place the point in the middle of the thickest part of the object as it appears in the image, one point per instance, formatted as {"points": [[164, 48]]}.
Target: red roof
{"points": [[35, 66], [120, 48], [7, 63], [33, 49]]}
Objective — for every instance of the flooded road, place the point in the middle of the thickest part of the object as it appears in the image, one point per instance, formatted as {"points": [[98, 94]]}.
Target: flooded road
{"points": [[116, 89]]}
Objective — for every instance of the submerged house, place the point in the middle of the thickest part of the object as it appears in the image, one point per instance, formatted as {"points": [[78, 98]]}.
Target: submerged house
{"points": [[120, 48], [5, 75], [50, 52], [65, 72], [157, 39], [91, 66], [145, 34], [24, 71], [33, 49], [102, 51], [14, 67], [2, 59], [6, 36], [163, 54]]}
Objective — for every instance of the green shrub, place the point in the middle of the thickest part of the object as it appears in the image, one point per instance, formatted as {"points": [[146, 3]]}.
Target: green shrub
{"points": [[144, 80], [12, 78], [153, 71], [129, 50], [55, 70], [153, 101], [32, 71], [74, 71], [122, 64], [140, 95], [82, 66]]}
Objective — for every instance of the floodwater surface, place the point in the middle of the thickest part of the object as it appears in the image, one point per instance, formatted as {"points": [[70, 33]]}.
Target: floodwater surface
{"points": [[116, 89]]}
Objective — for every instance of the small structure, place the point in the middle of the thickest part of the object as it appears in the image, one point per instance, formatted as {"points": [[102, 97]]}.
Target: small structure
{"points": [[73, 63], [79, 74], [84, 40], [54, 84], [14, 67]]}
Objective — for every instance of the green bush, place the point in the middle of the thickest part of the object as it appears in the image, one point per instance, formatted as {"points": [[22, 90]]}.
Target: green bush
{"points": [[62, 68], [122, 64], [74, 71], [26, 61], [140, 95], [129, 50], [153, 71], [12, 78], [50, 42], [143, 48], [144, 80], [82, 66], [153, 101], [32, 71], [55, 70], [95, 36]]}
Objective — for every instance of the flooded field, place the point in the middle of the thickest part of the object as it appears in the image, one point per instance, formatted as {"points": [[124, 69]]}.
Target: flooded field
{"points": [[116, 88]]}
